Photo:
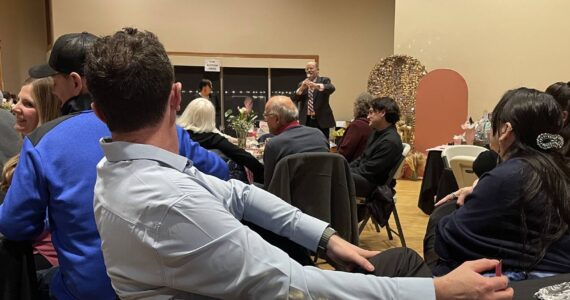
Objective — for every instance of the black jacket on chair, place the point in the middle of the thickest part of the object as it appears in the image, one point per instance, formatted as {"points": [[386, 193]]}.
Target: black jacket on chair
{"points": [[319, 184]]}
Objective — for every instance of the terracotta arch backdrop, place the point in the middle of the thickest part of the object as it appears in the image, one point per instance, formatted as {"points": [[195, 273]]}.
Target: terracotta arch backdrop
{"points": [[441, 108]]}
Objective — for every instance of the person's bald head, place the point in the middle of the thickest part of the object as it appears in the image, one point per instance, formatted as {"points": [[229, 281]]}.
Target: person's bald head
{"points": [[280, 110], [312, 70]]}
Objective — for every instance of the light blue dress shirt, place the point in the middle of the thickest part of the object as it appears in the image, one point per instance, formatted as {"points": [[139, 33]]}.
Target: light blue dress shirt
{"points": [[169, 231]]}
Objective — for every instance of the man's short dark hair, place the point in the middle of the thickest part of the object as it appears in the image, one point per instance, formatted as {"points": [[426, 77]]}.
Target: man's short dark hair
{"points": [[388, 104], [130, 77], [203, 83]]}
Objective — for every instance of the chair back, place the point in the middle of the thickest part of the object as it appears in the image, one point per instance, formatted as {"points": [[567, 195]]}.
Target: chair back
{"points": [[465, 150], [401, 163], [462, 167], [319, 184]]}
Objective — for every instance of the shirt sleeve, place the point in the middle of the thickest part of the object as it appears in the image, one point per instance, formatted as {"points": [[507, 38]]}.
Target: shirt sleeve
{"points": [[239, 264], [23, 213], [328, 86], [203, 159], [242, 157]]}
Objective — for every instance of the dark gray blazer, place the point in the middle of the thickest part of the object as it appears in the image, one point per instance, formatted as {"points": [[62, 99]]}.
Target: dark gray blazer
{"points": [[296, 139]]}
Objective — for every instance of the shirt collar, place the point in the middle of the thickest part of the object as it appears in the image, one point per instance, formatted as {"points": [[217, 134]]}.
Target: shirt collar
{"points": [[287, 126], [120, 151]]}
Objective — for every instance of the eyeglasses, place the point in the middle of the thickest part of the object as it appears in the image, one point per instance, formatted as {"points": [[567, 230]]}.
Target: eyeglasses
{"points": [[265, 115]]}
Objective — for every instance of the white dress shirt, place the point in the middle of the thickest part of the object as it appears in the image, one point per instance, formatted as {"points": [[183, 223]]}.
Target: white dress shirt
{"points": [[169, 231]]}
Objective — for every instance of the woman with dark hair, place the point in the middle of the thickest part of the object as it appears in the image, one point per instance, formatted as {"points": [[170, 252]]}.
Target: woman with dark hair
{"points": [[356, 135], [520, 211], [561, 93]]}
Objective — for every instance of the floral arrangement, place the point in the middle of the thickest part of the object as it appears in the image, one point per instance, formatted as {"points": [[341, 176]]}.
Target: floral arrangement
{"points": [[241, 123]]}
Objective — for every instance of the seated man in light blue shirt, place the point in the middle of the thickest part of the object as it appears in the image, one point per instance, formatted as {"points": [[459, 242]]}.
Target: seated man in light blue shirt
{"points": [[171, 231]]}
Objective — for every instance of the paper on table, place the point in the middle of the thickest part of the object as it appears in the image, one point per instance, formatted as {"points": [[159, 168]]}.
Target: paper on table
{"points": [[437, 148]]}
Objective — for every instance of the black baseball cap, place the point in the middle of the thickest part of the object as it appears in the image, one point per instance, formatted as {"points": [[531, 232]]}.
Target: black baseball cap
{"points": [[67, 55]]}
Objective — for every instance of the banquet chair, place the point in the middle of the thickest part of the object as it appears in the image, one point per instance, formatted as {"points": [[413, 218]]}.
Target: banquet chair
{"points": [[466, 150], [460, 160], [319, 184], [390, 208], [462, 167]]}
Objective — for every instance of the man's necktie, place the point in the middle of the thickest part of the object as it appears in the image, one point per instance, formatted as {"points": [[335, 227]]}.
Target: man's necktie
{"points": [[310, 108]]}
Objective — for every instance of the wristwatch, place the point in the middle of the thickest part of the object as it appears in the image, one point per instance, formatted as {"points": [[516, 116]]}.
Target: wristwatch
{"points": [[327, 234]]}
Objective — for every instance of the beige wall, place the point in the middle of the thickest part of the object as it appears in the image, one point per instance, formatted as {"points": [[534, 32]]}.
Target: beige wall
{"points": [[495, 45], [349, 37], [24, 39]]}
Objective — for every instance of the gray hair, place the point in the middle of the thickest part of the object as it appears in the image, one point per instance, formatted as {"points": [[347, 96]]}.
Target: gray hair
{"points": [[286, 114], [362, 105]]}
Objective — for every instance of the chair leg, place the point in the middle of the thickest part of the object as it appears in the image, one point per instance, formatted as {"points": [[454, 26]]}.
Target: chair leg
{"points": [[363, 223], [389, 231], [376, 225], [399, 227]]}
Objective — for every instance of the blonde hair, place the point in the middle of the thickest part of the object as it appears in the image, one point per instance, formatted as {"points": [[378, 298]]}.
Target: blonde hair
{"points": [[47, 104], [48, 108], [8, 172], [199, 116]]}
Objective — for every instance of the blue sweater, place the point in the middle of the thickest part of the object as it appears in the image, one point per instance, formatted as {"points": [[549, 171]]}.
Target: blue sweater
{"points": [[57, 173]]}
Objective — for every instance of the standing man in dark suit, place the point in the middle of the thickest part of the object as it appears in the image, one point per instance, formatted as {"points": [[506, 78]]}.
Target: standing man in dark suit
{"points": [[314, 93], [205, 90]]}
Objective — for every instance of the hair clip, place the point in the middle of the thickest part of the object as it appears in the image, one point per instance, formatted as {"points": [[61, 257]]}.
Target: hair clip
{"points": [[548, 141]]}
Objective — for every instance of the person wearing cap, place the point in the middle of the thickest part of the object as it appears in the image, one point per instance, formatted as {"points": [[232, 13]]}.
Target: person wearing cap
{"points": [[56, 174]]}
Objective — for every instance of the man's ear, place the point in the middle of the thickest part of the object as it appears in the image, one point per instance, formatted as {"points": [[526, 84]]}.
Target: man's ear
{"points": [[77, 83], [175, 96], [98, 112]]}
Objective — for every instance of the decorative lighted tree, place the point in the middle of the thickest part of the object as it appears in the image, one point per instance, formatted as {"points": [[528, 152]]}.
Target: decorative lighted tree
{"points": [[398, 77]]}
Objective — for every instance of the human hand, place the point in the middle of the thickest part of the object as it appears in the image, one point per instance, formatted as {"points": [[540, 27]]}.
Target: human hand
{"points": [[465, 282], [458, 195], [348, 256]]}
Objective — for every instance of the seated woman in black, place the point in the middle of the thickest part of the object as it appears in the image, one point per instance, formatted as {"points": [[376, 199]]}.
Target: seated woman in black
{"points": [[520, 211], [199, 120]]}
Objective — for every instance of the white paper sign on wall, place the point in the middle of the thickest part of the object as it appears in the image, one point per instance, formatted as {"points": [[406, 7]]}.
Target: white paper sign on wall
{"points": [[212, 65]]}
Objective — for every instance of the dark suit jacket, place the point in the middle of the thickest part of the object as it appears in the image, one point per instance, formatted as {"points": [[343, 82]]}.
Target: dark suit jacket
{"points": [[323, 111], [296, 139]]}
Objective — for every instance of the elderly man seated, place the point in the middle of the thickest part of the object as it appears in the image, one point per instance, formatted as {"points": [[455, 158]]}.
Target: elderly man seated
{"points": [[282, 118]]}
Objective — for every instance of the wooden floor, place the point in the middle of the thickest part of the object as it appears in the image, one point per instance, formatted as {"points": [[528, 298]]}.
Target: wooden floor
{"points": [[413, 221]]}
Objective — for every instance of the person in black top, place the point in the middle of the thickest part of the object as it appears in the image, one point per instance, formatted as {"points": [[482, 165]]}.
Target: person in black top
{"points": [[518, 211], [198, 120], [383, 149]]}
